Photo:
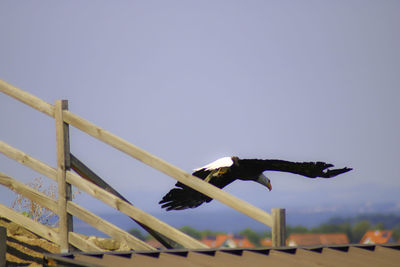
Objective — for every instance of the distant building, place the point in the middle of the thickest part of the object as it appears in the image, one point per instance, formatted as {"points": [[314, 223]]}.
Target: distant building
{"points": [[317, 239], [377, 237], [266, 242], [228, 241]]}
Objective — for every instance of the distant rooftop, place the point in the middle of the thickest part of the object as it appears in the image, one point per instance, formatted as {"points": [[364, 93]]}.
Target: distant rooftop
{"points": [[317, 239], [227, 240], [377, 237]]}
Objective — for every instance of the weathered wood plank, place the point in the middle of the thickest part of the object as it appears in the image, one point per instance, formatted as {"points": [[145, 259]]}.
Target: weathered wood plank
{"points": [[3, 245], [86, 173], [27, 98], [75, 210], [104, 196], [63, 164], [278, 228], [28, 161], [31, 225], [82, 244], [108, 228]]}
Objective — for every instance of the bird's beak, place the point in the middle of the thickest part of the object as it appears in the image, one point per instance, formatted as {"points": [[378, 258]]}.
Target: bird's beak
{"points": [[262, 179], [269, 186]]}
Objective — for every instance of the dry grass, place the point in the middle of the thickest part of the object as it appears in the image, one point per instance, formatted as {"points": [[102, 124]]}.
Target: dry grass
{"points": [[32, 209]]}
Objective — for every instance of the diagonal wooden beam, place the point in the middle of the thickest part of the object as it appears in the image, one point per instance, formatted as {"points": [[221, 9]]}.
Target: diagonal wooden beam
{"points": [[86, 173], [107, 227], [82, 244]]}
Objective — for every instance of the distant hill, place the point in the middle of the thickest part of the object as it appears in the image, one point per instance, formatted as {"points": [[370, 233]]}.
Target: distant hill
{"points": [[388, 220]]}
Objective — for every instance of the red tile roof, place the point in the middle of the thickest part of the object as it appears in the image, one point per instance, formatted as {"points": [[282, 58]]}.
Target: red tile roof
{"points": [[227, 240], [377, 237], [155, 244], [317, 239], [242, 242], [266, 242]]}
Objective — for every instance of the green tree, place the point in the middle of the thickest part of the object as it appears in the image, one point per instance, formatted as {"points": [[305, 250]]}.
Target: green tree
{"points": [[298, 229], [251, 235], [379, 226], [396, 232], [346, 228], [358, 231], [266, 234], [326, 228], [206, 233], [334, 228], [191, 231]]}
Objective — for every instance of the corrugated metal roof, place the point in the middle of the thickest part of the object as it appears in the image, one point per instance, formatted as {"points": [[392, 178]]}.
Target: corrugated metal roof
{"points": [[343, 255]]}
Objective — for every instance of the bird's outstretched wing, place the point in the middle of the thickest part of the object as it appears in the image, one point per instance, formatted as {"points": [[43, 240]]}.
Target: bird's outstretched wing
{"points": [[307, 169], [183, 197]]}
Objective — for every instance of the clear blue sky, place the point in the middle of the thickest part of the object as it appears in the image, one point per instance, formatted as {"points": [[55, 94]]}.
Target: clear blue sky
{"points": [[192, 81]]}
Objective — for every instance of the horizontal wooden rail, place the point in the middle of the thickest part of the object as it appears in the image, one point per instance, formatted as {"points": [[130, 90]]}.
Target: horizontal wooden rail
{"points": [[75, 210], [104, 196], [141, 155]]}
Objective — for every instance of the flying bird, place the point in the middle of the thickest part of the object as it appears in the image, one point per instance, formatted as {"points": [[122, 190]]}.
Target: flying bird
{"points": [[224, 171]]}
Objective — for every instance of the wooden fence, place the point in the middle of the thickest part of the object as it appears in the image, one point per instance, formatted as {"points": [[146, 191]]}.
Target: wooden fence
{"points": [[87, 181]]}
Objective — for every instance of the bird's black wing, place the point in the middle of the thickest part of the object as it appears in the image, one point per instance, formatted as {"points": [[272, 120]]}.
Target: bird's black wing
{"points": [[308, 169], [183, 197]]}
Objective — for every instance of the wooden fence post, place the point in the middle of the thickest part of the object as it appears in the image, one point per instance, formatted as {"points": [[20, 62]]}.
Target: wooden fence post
{"points": [[63, 164], [3, 245], [278, 227]]}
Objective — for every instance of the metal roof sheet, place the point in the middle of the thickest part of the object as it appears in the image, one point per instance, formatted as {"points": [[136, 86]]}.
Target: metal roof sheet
{"points": [[343, 255]]}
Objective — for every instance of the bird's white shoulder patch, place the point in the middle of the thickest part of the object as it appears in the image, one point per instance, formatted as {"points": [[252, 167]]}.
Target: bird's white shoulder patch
{"points": [[219, 163]]}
